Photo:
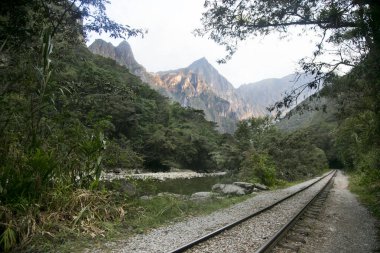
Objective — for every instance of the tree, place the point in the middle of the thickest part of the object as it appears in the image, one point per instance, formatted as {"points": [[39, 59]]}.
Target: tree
{"points": [[252, 132], [22, 20], [353, 27]]}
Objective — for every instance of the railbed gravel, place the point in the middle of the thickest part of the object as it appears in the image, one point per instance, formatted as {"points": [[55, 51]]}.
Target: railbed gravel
{"points": [[240, 239]]}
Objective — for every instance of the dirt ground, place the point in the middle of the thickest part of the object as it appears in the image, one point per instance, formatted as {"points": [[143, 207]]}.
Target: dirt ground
{"points": [[344, 224]]}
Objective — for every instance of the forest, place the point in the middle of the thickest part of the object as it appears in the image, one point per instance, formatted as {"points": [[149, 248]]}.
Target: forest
{"points": [[66, 115]]}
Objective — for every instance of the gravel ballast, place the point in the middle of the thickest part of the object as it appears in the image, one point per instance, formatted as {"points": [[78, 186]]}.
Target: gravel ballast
{"points": [[170, 237]]}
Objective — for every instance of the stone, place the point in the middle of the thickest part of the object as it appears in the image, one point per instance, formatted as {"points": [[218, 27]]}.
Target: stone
{"points": [[248, 187], [217, 187], [117, 170], [261, 187], [228, 189], [203, 195], [171, 195]]}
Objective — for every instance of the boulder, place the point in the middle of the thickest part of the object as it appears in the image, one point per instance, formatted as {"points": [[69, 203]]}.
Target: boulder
{"points": [[248, 187], [261, 187], [228, 189], [217, 187]]}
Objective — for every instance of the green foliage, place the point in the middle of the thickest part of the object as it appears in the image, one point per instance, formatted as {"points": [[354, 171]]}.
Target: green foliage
{"points": [[366, 184], [119, 154], [61, 214], [259, 166], [252, 133], [276, 155], [21, 21], [8, 239], [228, 156], [297, 157]]}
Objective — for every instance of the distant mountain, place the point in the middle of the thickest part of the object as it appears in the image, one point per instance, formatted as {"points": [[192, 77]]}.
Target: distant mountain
{"points": [[202, 87], [310, 113], [259, 95]]}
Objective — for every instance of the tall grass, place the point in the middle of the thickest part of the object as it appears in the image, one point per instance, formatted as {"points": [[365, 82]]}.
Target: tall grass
{"points": [[367, 186], [60, 214]]}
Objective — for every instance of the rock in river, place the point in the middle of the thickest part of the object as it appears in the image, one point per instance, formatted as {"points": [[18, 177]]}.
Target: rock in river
{"points": [[228, 189]]}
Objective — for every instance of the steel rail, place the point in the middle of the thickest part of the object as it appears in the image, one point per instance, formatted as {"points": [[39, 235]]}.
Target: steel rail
{"points": [[191, 244], [272, 242]]}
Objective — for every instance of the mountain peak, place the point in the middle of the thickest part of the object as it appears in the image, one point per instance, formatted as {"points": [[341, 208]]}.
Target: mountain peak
{"points": [[202, 62], [218, 83], [203, 67], [99, 43], [124, 44], [122, 54]]}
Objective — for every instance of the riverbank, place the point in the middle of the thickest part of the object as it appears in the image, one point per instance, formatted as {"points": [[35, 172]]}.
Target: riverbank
{"points": [[158, 175]]}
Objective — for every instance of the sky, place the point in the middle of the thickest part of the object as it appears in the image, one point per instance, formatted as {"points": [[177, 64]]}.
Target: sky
{"points": [[170, 44]]}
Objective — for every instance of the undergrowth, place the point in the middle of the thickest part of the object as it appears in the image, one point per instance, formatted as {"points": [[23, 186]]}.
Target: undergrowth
{"points": [[87, 218], [68, 220], [367, 187], [60, 215]]}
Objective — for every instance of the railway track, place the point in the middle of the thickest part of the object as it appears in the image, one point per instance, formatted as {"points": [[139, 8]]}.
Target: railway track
{"points": [[292, 235], [267, 241]]}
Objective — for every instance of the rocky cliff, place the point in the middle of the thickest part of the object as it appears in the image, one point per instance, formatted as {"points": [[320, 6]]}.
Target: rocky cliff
{"points": [[201, 86]]}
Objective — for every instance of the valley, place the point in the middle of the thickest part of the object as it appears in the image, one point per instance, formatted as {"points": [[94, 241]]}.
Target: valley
{"points": [[97, 154]]}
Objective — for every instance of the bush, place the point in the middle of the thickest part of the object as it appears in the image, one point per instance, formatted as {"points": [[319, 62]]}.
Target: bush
{"points": [[366, 183], [258, 167]]}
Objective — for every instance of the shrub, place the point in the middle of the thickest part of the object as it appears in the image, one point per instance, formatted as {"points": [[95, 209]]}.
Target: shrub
{"points": [[258, 166]]}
